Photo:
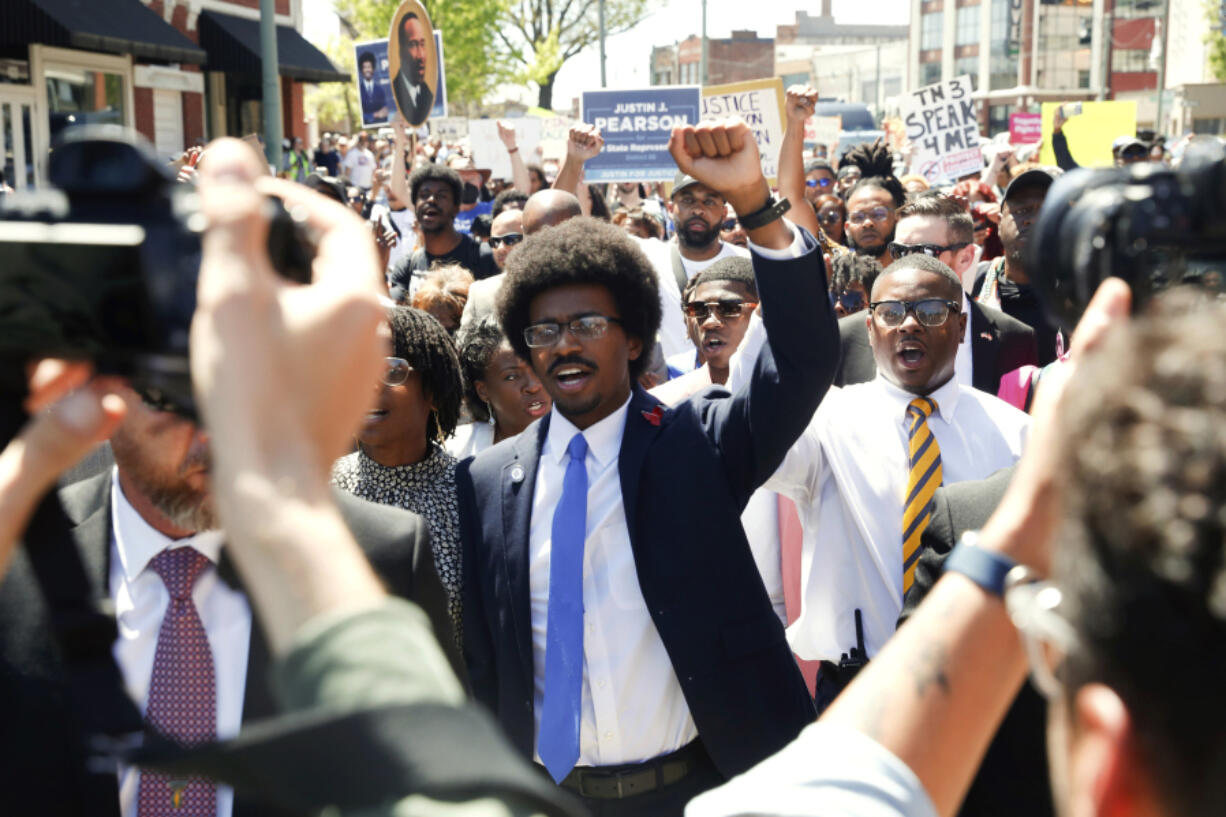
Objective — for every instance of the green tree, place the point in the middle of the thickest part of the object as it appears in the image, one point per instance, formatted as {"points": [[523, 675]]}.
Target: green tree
{"points": [[1215, 38], [544, 34], [473, 61], [335, 104]]}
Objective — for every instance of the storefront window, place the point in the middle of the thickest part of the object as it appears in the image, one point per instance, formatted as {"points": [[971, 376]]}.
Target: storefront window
{"points": [[78, 96], [931, 27]]}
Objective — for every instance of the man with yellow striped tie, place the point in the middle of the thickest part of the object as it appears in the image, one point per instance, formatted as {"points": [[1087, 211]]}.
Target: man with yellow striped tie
{"points": [[863, 473]]}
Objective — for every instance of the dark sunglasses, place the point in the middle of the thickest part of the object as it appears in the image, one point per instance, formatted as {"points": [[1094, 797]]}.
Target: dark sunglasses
{"points": [[510, 239], [729, 224], [929, 311], [823, 182], [898, 250], [725, 309], [851, 300], [833, 217]]}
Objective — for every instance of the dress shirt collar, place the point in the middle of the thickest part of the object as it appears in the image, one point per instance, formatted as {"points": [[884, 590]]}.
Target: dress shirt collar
{"points": [[966, 310], [946, 398], [604, 439], [138, 542]]}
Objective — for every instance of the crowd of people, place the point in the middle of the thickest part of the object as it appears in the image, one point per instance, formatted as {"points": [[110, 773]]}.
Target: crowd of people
{"points": [[651, 475]]}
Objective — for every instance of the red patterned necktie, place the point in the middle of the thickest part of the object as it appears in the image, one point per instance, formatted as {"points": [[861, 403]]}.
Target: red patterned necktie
{"points": [[182, 692]]}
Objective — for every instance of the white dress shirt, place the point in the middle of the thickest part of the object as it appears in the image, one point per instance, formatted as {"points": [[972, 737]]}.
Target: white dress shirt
{"points": [[964, 368], [848, 475], [470, 440], [141, 600], [633, 707]]}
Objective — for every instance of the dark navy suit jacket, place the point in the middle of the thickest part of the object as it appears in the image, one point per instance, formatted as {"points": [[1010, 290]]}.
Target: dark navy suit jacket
{"points": [[686, 475], [373, 101]]}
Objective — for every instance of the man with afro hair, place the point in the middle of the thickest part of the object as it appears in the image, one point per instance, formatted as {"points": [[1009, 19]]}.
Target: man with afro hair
{"points": [[615, 622]]}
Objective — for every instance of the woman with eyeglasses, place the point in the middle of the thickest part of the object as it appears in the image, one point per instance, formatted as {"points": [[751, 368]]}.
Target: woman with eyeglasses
{"points": [[400, 459], [502, 393]]}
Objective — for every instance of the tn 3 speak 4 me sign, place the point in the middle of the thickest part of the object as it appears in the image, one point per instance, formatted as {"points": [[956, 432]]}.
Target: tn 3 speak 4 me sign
{"points": [[941, 124]]}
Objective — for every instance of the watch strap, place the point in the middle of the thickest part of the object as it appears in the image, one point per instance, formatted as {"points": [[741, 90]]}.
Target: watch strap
{"points": [[773, 209], [984, 567]]}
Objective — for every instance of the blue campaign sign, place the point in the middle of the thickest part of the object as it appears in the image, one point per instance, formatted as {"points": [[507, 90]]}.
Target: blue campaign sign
{"points": [[374, 87], [636, 126]]}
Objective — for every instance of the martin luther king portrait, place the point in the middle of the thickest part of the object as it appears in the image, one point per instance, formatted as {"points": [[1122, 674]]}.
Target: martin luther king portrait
{"points": [[410, 87]]}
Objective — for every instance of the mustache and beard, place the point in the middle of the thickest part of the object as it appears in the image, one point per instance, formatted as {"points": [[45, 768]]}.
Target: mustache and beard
{"points": [[186, 507], [873, 252], [698, 240]]}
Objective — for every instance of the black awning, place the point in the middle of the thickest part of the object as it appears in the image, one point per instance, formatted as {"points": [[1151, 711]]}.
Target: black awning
{"points": [[114, 26], [233, 45]]}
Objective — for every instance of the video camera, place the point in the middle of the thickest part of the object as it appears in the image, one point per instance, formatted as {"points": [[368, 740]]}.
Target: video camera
{"points": [[103, 266], [1150, 225]]}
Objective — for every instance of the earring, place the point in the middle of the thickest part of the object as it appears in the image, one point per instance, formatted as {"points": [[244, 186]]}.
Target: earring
{"points": [[490, 411]]}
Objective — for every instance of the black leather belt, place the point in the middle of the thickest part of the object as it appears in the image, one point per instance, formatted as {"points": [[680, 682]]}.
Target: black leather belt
{"points": [[618, 782]]}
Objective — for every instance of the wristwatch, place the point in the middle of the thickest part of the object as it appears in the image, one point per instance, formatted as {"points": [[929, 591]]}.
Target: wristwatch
{"points": [[985, 568], [773, 209]]}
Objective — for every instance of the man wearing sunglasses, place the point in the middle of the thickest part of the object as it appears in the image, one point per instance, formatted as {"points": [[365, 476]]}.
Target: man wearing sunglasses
{"points": [[819, 179], [863, 473], [614, 619], [993, 343]]}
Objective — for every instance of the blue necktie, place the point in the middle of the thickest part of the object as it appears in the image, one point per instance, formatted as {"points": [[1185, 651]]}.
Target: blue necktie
{"points": [[558, 743]]}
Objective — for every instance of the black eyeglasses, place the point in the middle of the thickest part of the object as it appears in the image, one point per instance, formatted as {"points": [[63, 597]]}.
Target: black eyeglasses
{"points": [[510, 239], [729, 308], [587, 327], [396, 371], [898, 250], [822, 182], [929, 311]]}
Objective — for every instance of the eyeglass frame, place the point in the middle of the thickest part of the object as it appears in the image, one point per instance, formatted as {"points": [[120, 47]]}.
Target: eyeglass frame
{"points": [[888, 211], [501, 239], [861, 300], [830, 218], [570, 326], [930, 250], [822, 182], [719, 307], [1032, 604], [953, 308], [388, 362]]}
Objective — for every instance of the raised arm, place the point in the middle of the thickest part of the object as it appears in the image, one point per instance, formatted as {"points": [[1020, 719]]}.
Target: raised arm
{"points": [[795, 367], [399, 182], [519, 170], [801, 100], [583, 143]]}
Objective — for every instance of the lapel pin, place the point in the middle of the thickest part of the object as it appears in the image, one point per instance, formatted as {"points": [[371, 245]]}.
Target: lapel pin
{"points": [[986, 336], [517, 474], [654, 415]]}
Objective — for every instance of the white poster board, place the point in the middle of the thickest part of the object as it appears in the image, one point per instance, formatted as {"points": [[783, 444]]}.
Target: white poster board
{"points": [[488, 150], [823, 130], [941, 124], [760, 103]]}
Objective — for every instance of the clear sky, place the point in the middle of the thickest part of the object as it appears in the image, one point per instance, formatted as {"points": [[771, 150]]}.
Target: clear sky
{"points": [[627, 54]]}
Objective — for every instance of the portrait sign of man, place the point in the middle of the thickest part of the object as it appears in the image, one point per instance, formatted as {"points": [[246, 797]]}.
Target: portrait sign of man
{"points": [[372, 82], [413, 59]]}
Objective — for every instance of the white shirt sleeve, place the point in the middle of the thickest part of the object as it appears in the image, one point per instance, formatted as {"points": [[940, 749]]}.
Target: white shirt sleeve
{"points": [[828, 771]]}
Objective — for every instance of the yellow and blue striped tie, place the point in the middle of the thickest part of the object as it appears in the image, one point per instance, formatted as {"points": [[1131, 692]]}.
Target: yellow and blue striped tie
{"points": [[922, 482]]}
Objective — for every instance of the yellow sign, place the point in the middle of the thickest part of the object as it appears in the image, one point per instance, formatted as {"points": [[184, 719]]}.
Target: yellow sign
{"points": [[760, 102], [1089, 128]]}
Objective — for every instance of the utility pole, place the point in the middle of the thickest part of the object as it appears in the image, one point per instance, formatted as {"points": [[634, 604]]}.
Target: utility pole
{"points": [[702, 68], [272, 83], [603, 82], [1160, 42], [880, 116]]}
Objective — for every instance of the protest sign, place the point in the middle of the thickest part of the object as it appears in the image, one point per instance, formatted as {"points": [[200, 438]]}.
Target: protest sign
{"points": [[489, 151], [1025, 128], [1090, 128], [823, 130], [413, 62], [449, 128], [374, 85], [760, 103], [440, 79], [636, 126], [555, 131], [941, 124]]}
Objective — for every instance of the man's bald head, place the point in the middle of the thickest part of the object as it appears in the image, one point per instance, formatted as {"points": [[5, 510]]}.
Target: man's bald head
{"points": [[549, 208]]}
